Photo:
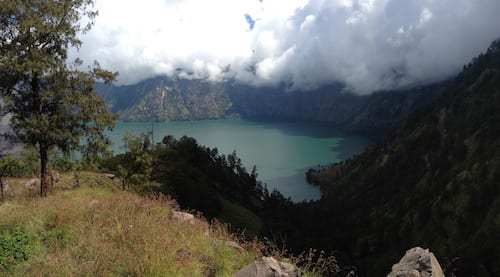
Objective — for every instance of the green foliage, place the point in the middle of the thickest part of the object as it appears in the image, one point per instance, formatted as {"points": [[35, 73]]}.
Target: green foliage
{"points": [[206, 181], [52, 103], [196, 176], [12, 167], [15, 247], [64, 163], [31, 158], [136, 164]]}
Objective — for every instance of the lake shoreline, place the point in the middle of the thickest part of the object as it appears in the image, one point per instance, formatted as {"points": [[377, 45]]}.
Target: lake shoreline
{"points": [[281, 150]]}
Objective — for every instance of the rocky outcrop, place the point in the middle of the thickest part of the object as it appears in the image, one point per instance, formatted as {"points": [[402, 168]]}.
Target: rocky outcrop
{"points": [[417, 262], [32, 184], [182, 217], [269, 267]]}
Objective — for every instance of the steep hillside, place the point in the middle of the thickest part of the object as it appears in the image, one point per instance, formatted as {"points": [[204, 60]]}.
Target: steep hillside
{"points": [[434, 182], [384, 110], [327, 104], [160, 99], [372, 115]]}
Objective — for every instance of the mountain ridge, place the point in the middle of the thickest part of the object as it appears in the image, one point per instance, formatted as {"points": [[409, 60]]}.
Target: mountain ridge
{"points": [[164, 99]]}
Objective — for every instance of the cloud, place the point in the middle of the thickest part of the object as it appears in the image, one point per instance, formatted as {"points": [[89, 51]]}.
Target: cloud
{"points": [[366, 44]]}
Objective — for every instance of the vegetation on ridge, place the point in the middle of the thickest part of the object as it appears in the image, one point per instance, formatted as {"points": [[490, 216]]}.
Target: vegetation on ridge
{"points": [[52, 103]]}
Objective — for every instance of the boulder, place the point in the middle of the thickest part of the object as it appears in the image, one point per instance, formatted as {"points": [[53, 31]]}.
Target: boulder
{"points": [[183, 217], [93, 203], [32, 184], [417, 262], [6, 186], [269, 267], [55, 177], [110, 176]]}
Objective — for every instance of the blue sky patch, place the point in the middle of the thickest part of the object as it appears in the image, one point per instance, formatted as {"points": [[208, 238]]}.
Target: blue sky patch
{"points": [[250, 21]]}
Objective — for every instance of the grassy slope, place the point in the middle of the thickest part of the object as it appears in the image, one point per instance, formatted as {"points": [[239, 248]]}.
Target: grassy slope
{"points": [[104, 231]]}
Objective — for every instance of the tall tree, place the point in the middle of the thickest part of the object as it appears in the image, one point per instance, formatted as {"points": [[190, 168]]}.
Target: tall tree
{"points": [[52, 102]]}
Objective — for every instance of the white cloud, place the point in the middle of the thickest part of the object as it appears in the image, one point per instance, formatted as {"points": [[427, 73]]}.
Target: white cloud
{"points": [[367, 44]]}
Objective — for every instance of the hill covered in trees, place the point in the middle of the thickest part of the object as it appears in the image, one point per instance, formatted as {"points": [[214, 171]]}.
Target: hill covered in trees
{"points": [[434, 182]]}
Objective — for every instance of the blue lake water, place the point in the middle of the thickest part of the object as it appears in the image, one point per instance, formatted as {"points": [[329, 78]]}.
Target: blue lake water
{"points": [[281, 151]]}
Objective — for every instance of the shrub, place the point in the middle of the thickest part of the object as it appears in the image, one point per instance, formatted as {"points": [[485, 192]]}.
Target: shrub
{"points": [[65, 164], [12, 167], [15, 247]]}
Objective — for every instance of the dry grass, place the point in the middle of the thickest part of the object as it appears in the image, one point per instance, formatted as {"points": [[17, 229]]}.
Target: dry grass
{"points": [[106, 232], [96, 229]]}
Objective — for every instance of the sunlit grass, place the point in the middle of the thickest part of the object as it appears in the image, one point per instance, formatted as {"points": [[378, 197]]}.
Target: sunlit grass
{"points": [[93, 228], [104, 231]]}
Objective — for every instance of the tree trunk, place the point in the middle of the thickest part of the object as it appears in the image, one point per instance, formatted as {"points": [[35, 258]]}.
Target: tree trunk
{"points": [[44, 162], [1, 187]]}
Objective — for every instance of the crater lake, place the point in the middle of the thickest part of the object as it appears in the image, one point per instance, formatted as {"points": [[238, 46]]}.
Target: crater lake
{"points": [[282, 151]]}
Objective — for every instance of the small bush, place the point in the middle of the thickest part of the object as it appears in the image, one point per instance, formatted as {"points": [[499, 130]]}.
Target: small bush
{"points": [[65, 163], [12, 167], [15, 247]]}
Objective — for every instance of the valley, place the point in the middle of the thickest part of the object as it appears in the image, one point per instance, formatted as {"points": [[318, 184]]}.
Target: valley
{"points": [[441, 163], [250, 138]]}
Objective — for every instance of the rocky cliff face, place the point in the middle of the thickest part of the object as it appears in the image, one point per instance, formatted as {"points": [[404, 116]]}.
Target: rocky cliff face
{"points": [[160, 99]]}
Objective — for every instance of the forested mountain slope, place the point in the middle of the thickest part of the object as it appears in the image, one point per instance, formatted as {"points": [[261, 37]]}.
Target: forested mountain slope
{"points": [[434, 182]]}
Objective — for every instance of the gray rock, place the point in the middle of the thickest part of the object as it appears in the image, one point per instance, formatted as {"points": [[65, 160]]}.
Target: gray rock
{"points": [[6, 186], [269, 267], [55, 177], [417, 262], [32, 184], [182, 217], [93, 203]]}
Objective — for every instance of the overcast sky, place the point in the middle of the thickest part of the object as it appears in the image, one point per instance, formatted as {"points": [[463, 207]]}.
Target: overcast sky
{"points": [[366, 44]]}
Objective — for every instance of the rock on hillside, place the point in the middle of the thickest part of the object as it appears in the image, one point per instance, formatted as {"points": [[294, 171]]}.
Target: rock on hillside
{"points": [[417, 262]]}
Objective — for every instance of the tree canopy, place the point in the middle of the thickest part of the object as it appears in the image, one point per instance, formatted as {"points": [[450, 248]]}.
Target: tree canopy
{"points": [[52, 102]]}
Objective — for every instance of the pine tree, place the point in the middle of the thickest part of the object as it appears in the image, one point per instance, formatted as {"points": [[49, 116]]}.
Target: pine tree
{"points": [[52, 102]]}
